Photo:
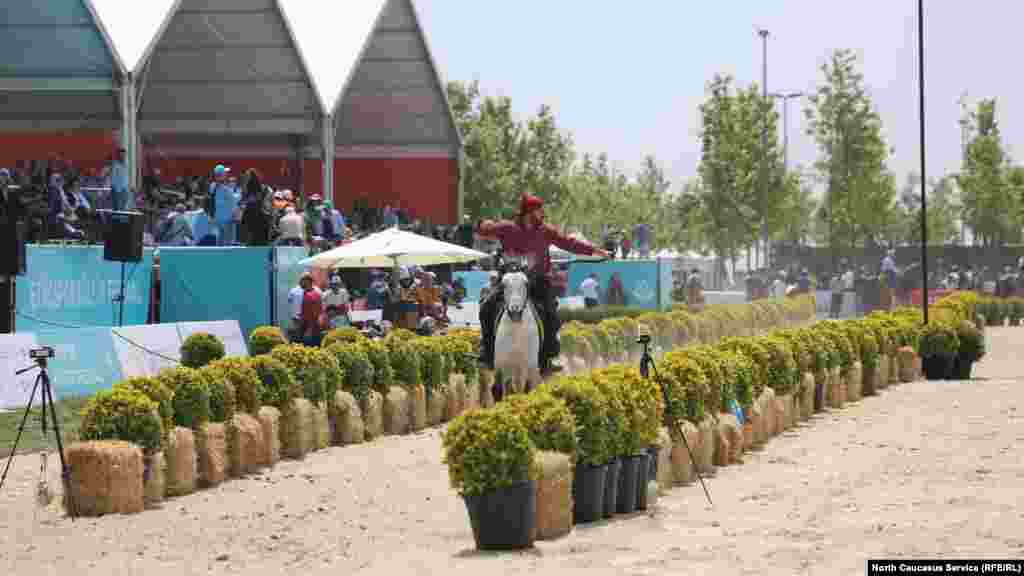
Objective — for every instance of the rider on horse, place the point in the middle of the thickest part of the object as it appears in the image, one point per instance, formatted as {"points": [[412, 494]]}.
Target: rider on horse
{"points": [[528, 236]]}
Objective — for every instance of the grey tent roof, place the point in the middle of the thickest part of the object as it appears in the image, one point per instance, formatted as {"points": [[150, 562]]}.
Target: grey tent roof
{"points": [[226, 67], [58, 68], [393, 97]]}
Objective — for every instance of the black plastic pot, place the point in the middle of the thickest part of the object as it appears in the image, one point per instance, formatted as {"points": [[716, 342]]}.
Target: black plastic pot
{"points": [[504, 519], [962, 368], [611, 488], [819, 395], [936, 367], [642, 478], [588, 493], [628, 475], [652, 462]]}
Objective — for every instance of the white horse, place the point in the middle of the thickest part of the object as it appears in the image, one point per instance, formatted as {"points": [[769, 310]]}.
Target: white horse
{"points": [[517, 339]]}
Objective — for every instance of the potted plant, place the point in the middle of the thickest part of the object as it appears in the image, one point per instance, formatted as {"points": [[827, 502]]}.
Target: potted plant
{"points": [[939, 346], [590, 410], [606, 382], [490, 463], [972, 348], [623, 385]]}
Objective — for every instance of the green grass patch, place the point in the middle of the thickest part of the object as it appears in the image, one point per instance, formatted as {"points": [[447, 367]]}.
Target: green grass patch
{"points": [[68, 414]]}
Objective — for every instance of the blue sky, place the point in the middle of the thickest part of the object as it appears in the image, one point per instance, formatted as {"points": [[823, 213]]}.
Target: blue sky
{"points": [[626, 78]]}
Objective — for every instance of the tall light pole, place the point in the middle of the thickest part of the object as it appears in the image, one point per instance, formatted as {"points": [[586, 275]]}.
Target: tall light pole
{"points": [[786, 97], [764, 143], [924, 178]]}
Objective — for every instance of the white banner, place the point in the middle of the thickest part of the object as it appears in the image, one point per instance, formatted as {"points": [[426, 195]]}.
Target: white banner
{"points": [[14, 390], [135, 350], [228, 331]]}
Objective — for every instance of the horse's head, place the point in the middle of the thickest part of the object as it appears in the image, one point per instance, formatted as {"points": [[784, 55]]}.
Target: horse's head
{"points": [[514, 285]]}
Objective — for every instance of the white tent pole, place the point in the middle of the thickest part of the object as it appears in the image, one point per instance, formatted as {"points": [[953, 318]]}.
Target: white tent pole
{"points": [[327, 156], [129, 141]]}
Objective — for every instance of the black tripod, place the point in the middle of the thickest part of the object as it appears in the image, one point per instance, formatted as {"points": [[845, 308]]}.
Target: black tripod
{"points": [[646, 365], [46, 397]]}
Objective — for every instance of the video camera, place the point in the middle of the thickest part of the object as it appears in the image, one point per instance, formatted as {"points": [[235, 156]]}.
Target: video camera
{"points": [[42, 353], [643, 334]]}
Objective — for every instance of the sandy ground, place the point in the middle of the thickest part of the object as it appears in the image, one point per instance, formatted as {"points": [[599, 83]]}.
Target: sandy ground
{"points": [[924, 470]]}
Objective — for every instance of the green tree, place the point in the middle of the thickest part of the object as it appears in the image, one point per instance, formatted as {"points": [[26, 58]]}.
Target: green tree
{"points": [[990, 210], [859, 188], [942, 209]]}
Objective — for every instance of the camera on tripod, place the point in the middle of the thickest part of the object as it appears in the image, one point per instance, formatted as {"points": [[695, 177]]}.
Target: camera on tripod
{"points": [[42, 353], [643, 334]]}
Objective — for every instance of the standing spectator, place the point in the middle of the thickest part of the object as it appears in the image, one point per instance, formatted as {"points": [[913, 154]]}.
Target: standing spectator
{"points": [[695, 291], [803, 282], [255, 220], [175, 229], [779, 285], [292, 228], [492, 285], [836, 287], [312, 314], [379, 292], [626, 246], [616, 291], [589, 289], [225, 199], [888, 280], [336, 303], [116, 173], [295, 299]]}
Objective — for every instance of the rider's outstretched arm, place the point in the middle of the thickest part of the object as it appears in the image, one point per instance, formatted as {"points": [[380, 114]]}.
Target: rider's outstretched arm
{"points": [[570, 244]]}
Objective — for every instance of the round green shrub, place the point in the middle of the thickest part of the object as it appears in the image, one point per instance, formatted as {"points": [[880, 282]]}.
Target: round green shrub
{"points": [[122, 413], [753, 349], [431, 353], [547, 419], [264, 339], [742, 370], [405, 360], [312, 368], [191, 395], [222, 393], [972, 341], [460, 356], [344, 335], [279, 386], [609, 383], [156, 391], [487, 450], [590, 410], [200, 349], [245, 380], [355, 363], [783, 376], [380, 358], [640, 404], [720, 388], [687, 385], [939, 339]]}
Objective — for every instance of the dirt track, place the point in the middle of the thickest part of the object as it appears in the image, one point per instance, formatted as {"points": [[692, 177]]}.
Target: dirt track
{"points": [[924, 470]]}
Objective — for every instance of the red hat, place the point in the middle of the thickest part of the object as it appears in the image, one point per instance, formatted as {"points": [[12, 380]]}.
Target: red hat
{"points": [[528, 203]]}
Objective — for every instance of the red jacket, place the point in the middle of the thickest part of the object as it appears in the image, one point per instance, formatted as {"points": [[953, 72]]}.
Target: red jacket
{"points": [[533, 243]]}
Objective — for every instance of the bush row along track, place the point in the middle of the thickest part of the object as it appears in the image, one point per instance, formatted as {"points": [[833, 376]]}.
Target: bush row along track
{"points": [[928, 469]]}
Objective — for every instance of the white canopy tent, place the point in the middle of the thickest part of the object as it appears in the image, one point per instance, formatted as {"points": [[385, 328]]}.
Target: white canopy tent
{"points": [[393, 247]]}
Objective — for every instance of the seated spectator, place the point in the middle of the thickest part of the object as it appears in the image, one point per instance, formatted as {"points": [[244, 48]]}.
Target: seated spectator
{"points": [[175, 230]]}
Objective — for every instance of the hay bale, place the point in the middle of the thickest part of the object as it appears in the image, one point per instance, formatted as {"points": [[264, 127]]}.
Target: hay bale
{"points": [[859, 379], [396, 411], [270, 422], [320, 425], [821, 379], [894, 370], [212, 450], [778, 410], [154, 479], [554, 495], [906, 358], [706, 454], [882, 372], [436, 405], [666, 476], [180, 458], [348, 421], [457, 396], [807, 396], [472, 398], [297, 430], [486, 392], [680, 463], [730, 440], [418, 408], [373, 415], [106, 477], [249, 451], [837, 397]]}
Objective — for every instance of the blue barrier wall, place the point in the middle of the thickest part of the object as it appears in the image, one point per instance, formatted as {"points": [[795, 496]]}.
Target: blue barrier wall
{"points": [[74, 285], [640, 279], [198, 284], [665, 283], [286, 276], [85, 361]]}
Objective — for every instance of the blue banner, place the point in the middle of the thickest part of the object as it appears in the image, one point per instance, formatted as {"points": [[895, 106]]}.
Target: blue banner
{"points": [[74, 286], [205, 284], [638, 280], [665, 283], [474, 281], [286, 276]]}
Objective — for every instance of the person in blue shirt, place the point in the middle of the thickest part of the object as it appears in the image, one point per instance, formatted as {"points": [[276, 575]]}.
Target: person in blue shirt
{"points": [[226, 198], [117, 172]]}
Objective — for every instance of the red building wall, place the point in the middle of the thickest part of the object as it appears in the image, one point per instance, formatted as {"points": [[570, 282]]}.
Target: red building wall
{"points": [[426, 188]]}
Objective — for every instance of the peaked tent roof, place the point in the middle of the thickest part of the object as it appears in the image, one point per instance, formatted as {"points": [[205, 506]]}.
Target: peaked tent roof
{"points": [[58, 68], [393, 96], [226, 67]]}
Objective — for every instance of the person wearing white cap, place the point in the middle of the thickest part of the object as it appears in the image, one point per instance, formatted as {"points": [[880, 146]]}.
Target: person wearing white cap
{"points": [[226, 197]]}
